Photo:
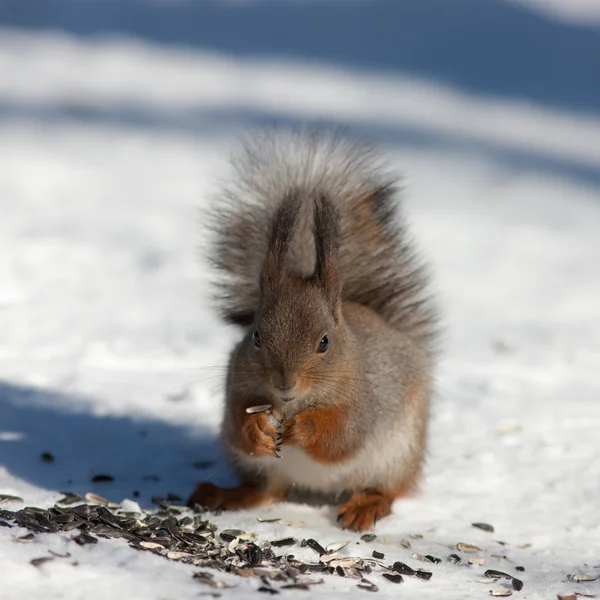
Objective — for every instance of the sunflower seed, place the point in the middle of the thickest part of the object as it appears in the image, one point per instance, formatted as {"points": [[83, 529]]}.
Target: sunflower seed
{"points": [[405, 544], [228, 535], [47, 457], [24, 539], [484, 527], [468, 547], [315, 546], [96, 499], [379, 555], [403, 569], [289, 541], [368, 537], [8, 498], [251, 410], [102, 478], [433, 559], [394, 577], [455, 558]]}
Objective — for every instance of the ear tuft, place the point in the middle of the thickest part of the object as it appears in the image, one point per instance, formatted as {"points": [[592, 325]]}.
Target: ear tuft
{"points": [[327, 243], [280, 235]]}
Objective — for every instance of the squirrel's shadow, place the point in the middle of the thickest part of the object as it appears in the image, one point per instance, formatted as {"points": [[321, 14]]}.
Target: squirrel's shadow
{"points": [[47, 440]]}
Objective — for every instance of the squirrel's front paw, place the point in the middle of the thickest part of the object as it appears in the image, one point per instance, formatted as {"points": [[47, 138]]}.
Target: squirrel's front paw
{"points": [[300, 430], [260, 436]]}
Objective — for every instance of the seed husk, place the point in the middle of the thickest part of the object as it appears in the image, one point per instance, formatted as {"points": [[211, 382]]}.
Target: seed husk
{"points": [[336, 547], [501, 592], [519, 568], [581, 578], [326, 558], [36, 562], [47, 457], [379, 555], [295, 586], [346, 563], [517, 584], [24, 539], [433, 559], [477, 561], [84, 538], [423, 574], [468, 547], [251, 410], [405, 544], [368, 537], [365, 584], [484, 527], [455, 558], [151, 545]]}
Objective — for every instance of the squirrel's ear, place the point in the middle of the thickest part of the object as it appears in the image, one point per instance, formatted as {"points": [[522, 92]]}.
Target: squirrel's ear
{"points": [[327, 243], [280, 235]]}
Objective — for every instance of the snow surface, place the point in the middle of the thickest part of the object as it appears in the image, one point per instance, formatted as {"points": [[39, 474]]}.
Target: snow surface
{"points": [[111, 357]]}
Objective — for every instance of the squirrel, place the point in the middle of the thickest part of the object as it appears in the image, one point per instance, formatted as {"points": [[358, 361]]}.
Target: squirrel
{"points": [[328, 391]]}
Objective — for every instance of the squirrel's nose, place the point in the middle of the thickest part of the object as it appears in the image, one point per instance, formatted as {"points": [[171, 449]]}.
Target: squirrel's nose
{"points": [[287, 388]]}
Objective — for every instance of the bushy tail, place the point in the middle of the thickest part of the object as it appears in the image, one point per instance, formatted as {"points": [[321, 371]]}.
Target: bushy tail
{"points": [[377, 264]]}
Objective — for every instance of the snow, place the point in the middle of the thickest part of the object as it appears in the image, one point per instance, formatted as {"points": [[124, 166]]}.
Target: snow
{"points": [[111, 357]]}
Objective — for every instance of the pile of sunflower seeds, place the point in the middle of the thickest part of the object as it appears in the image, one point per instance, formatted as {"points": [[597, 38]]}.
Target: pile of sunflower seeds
{"points": [[192, 539]]}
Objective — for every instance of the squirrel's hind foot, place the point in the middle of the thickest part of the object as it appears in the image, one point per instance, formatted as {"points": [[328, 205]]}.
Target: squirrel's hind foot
{"points": [[363, 510], [246, 495]]}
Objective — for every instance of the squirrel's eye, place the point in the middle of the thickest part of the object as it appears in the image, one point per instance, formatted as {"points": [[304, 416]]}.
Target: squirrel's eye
{"points": [[323, 345], [256, 338]]}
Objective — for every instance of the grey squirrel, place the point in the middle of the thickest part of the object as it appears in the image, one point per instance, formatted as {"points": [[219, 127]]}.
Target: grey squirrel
{"points": [[339, 330]]}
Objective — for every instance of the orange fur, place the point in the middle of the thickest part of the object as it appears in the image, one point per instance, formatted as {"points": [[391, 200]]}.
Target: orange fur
{"points": [[320, 433]]}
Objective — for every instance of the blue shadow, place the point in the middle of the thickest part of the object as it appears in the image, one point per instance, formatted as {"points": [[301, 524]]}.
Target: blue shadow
{"points": [[488, 47], [148, 456]]}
